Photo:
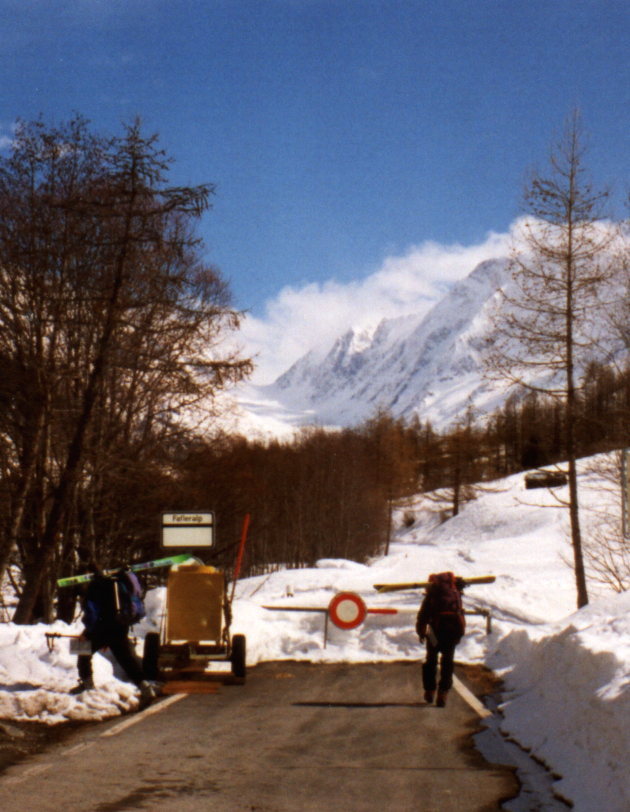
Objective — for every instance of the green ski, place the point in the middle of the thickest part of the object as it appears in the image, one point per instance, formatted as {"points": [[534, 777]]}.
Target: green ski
{"points": [[170, 561]]}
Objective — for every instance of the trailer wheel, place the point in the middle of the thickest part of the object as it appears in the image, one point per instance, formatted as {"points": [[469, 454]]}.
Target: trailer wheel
{"points": [[238, 656], [150, 656]]}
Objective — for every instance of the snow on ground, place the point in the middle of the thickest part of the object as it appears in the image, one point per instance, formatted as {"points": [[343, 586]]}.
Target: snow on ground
{"points": [[566, 673]]}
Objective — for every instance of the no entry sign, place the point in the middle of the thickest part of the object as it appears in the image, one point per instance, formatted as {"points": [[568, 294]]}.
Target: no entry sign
{"points": [[347, 610]]}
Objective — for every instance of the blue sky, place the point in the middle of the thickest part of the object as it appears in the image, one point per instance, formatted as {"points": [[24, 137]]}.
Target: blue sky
{"points": [[340, 133]]}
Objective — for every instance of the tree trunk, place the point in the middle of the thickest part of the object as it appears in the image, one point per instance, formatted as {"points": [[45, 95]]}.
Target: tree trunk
{"points": [[71, 471], [576, 537], [8, 544]]}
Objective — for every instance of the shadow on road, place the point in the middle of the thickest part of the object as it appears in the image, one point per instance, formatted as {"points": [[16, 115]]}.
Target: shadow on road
{"points": [[358, 704]]}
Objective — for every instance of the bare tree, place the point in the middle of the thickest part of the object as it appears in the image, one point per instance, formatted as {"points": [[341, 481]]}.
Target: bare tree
{"points": [[618, 309], [463, 468], [110, 321], [607, 550], [394, 449], [547, 322]]}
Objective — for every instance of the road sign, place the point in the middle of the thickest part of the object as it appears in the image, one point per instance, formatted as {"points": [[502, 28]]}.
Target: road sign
{"points": [[347, 610], [187, 530]]}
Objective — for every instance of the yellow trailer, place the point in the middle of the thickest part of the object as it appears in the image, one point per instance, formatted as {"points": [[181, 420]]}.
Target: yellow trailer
{"points": [[196, 627]]}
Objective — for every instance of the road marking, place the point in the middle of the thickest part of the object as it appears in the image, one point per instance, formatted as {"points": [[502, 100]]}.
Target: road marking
{"points": [[38, 769], [78, 747], [470, 699], [27, 773], [138, 717]]}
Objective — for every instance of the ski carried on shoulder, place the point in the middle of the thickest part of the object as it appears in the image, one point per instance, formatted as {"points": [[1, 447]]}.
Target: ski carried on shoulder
{"points": [[475, 579], [169, 561]]}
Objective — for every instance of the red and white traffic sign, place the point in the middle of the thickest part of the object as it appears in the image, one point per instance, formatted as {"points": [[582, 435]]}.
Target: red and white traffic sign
{"points": [[347, 610]]}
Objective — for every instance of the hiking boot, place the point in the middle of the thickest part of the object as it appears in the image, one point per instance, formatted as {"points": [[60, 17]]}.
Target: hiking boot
{"points": [[429, 696], [148, 691], [441, 699], [83, 685]]}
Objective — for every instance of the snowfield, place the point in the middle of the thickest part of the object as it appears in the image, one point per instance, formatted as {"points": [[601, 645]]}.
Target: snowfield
{"points": [[566, 673]]}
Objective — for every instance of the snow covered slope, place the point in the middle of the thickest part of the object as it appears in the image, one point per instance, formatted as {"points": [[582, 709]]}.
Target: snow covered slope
{"points": [[429, 365]]}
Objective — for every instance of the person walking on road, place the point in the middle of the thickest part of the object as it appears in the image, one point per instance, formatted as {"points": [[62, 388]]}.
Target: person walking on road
{"points": [[441, 623], [107, 617]]}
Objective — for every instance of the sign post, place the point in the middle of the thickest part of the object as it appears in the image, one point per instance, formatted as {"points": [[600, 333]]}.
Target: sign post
{"points": [[187, 530]]}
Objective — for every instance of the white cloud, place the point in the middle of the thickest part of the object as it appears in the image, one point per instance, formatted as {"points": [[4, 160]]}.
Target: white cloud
{"points": [[299, 319], [6, 141]]}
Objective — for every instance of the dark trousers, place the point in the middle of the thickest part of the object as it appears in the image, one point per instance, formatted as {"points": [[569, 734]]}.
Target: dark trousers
{"points": [[119, 644], [445, 650]]}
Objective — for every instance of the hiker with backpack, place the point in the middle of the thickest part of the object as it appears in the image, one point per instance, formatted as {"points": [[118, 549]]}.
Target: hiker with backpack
{"points": [[441, 622], [111, 605]]}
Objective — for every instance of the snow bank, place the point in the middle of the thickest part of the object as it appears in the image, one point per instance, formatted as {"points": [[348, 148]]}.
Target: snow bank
{"points": [[36, 675], [568, 700]]}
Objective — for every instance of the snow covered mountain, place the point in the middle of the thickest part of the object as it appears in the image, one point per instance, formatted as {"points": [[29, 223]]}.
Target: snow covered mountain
{"points": [[427, 365]]}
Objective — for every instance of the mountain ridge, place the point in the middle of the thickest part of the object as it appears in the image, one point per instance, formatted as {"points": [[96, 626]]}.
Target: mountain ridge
{"points": [[427, 365]]}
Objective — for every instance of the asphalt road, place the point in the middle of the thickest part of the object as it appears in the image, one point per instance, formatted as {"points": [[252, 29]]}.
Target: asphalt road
{"points": [[294, 737]]}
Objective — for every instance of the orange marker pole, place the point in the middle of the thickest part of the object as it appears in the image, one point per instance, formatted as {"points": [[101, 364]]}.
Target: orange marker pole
{"points": [[239, 555]]}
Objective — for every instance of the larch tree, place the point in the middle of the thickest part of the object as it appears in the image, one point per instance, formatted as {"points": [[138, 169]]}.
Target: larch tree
{"points": [[549, 316]]}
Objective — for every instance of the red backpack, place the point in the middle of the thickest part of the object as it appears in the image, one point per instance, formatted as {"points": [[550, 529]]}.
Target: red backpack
{"points": [[445, 599]]}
